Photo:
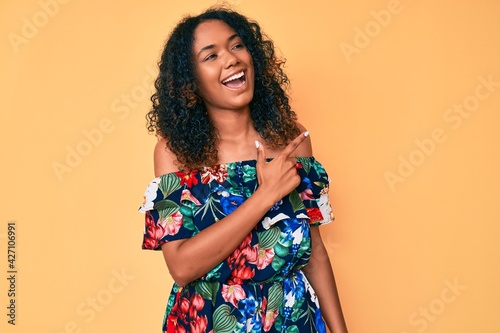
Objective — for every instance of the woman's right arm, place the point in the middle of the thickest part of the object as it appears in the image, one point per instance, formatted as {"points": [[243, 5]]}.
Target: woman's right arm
{"points": [[189, 259]]}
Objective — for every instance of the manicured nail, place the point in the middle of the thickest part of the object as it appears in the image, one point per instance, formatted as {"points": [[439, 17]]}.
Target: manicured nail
{"points": [[257, 144], [306, 134]]}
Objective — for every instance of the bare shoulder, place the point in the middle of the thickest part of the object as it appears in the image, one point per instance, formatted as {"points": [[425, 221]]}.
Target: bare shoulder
{"points": [[164, 159], [305, 148]]}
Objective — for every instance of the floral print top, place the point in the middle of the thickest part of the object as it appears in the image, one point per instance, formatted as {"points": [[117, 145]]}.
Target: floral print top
{"points": [[260, 287]]}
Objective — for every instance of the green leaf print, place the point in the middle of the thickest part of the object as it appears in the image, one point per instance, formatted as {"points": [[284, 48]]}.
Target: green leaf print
{"points": [[166, 208], [214, 273], [231, 171], [224, 321], [248, 173], [208, 206], [268, 238], [169, 183], [186, 211], [277, 263], [170, 304], [166, 204], [205, 289], [278, 323], [297, 309], [292, 329], [247, 192], [231, 183], [296, 201], [215, 290], [280, 250], [171, 299], [188, 223], [319, 169], [275, 297]]}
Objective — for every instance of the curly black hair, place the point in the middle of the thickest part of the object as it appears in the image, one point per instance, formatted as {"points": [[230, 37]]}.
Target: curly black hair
{"points": [[179, 114]]}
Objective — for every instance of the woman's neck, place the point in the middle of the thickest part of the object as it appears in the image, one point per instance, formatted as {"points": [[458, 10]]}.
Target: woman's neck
{"points": [[237, 135], [233, 124]]}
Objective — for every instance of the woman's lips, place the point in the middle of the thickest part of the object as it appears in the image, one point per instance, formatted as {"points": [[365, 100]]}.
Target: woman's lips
{"points": [[235, 81]]}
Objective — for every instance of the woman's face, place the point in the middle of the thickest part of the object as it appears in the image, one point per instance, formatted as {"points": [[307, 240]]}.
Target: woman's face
{"points": [[223, 67]]}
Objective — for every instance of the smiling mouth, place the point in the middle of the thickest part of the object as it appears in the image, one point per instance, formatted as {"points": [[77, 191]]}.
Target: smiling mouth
{"points": [[235, 81]]}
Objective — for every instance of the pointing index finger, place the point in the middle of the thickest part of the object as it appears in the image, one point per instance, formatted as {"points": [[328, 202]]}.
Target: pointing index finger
{"points": [[294, 144]]}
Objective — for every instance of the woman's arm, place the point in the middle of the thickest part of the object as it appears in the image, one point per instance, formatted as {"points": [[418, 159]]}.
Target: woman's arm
{"points": [[188, 259], [320, 274]]}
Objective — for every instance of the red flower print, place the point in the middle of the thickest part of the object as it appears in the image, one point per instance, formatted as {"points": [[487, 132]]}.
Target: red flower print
{"points": [[240, 274], [188, 177], [268, 317], [173, 223], [150, 221], [264, 257], [246, 241], [307, 194], [314, 215], [184, 305], [233, 293], [250, 253], [199, 325], [171, 324], [217, 173], [149, 244], [187, 195], [153, 232], [184, 314], [239, 255], [198, 302], [238, 262]]}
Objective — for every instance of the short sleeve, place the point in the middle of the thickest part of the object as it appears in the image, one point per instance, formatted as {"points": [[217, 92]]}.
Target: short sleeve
{"points": [[313, 190], [164, 212]]}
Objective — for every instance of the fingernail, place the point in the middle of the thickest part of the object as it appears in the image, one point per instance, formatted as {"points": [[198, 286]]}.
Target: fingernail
{"points": [[306, 134], [257, 144]]}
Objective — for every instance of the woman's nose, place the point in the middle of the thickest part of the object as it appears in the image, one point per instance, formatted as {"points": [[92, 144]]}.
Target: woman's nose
{"points": [[230, 60]]}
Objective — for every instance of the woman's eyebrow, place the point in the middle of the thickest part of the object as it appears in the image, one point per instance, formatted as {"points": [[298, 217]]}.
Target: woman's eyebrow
{"points": [[233, 37], [211, 46]]}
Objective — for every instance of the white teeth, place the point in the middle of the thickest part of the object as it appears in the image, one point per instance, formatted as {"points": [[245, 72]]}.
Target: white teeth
{"points": [[233, 77]]}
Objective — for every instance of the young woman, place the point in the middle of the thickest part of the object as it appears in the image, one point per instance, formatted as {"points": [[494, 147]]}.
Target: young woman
{"points": [[238, 197]]}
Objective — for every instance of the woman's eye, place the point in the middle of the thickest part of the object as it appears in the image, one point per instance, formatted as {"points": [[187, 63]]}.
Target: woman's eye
{"points": [[210, 57], [238, 46]]}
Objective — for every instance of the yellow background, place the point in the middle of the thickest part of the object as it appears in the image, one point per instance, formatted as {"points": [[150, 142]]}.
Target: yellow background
{"points": [[418, 253]]}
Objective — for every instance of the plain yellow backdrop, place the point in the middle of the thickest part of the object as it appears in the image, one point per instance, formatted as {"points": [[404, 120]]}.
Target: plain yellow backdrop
{"points": [[402, 101]]}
